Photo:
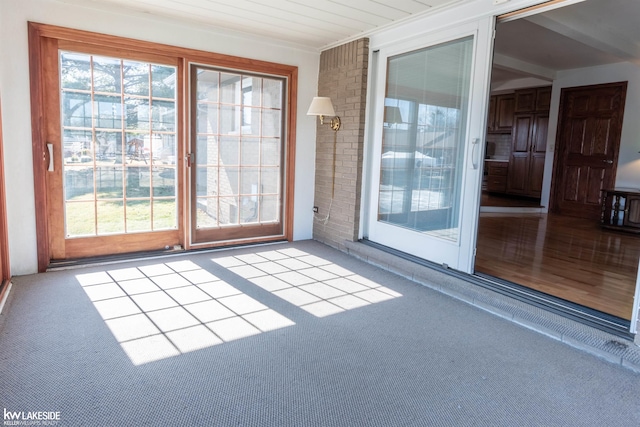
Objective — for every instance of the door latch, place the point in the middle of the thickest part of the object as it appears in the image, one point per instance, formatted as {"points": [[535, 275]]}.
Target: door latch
{"points": [[189, 158]]}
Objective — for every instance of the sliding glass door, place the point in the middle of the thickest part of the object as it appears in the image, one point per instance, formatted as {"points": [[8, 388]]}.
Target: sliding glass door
{"points": [[237, 155], [111, 152], [147, 147], [427, 147]]}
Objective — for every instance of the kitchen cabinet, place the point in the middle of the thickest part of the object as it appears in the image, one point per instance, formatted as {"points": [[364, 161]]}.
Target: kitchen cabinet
{"points": [[529, 142], [501, 109], [496, 179], [532, 100]]}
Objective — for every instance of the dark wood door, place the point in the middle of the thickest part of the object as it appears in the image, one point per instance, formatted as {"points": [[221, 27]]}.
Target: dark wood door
{"points": [[538, 153], [587, 147]]}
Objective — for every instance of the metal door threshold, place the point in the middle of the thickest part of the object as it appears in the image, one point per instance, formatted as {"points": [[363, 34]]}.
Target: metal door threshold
{"points": [[134, 256], [585, 315]]}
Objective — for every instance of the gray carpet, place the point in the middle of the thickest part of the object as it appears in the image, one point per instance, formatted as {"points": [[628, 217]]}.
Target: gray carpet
{"points": [[286, 335]]}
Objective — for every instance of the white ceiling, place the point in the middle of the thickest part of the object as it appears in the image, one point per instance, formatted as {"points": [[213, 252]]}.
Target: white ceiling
{"points": [[310, 23], [594, 32], [584, 34]]}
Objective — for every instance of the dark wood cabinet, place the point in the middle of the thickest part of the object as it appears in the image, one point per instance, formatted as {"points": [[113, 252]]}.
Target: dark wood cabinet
{"points": [[529, 142], [621, 209], [496, 176], [533, 100], [501, 108]]}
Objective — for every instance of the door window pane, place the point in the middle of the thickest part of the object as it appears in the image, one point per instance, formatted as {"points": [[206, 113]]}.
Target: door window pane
{"points": [[119, 145], [424, 135], [238, 145]]}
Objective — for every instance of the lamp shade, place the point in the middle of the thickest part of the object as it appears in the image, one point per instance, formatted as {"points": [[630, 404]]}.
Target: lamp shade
{"points": [[392, 115], [321, 106]]}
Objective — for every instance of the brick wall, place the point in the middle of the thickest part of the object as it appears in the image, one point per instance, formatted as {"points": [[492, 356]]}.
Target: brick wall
{"points": [[343, 78]]}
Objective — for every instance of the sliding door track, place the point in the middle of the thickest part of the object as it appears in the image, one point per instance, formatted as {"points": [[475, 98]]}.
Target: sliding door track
{"points": [[585, 315]]}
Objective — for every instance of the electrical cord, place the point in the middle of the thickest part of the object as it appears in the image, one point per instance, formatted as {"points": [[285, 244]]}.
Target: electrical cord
{"points": [[325, 220]]}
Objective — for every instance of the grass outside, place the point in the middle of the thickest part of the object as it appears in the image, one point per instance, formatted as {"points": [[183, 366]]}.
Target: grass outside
{"points": [[81, 216]]}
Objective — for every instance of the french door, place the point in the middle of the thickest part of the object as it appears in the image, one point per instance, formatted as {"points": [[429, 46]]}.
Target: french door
{"points": [[112, 151], [237, 153], [139, 146], [429, 144]]}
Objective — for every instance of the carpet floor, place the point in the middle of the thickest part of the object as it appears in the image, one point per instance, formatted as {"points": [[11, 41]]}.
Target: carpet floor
{"points": [[285, 335]]}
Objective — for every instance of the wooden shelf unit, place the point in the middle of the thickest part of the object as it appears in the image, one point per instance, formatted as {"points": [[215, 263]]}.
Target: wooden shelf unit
{"points": [[621, 209]]}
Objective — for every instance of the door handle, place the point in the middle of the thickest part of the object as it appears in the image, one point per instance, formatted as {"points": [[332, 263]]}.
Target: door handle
{"points": [[50, 149], [609, 162], [475, 142]]}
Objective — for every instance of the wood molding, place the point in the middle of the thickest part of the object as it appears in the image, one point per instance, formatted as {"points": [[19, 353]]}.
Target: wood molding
{"points": [[38, 143], [291, 154], [5, 269], [100, 40]]}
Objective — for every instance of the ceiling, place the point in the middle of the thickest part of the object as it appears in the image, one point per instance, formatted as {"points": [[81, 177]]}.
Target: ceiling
{"points": [[309, 23], [589, 33]]}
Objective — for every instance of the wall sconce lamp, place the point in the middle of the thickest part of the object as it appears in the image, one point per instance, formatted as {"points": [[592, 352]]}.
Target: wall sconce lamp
{"points": [[392, 115], [322, 106]]}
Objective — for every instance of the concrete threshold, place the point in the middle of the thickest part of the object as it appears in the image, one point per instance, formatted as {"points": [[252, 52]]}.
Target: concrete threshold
{"points": [[599, 343]]}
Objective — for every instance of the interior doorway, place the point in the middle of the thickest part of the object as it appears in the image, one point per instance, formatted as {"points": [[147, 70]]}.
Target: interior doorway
{"points": [[590, 125], [572, 259]]}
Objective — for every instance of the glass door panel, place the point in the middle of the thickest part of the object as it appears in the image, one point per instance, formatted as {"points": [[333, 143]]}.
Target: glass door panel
{"points": [[118, 145], [112, 128], [426, 180], [424, 138], [237, 134]]}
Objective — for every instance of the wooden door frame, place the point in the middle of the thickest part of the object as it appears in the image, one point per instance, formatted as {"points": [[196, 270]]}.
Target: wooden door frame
{"points": [[40, 34], [560, 143], [5, 270]]}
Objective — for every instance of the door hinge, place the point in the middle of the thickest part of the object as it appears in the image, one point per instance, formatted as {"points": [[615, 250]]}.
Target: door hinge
{"points": [[189, 158]]}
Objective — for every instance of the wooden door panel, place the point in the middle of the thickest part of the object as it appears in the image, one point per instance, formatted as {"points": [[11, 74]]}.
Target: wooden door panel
{"points": [[605, 102], [518, 173], [588, 142], [580, 104], [571, 180], [591, 188], [521, 130], [602, 136], [576, 132], [504, 112], [539, 137], [55, 205], [543, 99], [536, 174], [525, 100]]}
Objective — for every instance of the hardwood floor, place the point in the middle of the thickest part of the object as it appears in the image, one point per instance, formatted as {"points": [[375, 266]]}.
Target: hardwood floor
{"points": [[570, 258]]}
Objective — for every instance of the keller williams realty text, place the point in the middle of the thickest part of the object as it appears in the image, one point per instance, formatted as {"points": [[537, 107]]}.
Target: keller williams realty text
{"points": [[31, 416]]}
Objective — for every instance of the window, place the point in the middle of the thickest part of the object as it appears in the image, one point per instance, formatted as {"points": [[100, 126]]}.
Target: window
{"points": [[119, 145]]}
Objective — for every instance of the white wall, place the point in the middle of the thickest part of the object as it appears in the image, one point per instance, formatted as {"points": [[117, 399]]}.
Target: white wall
{"points": [[628, 174], [14, 87]]}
